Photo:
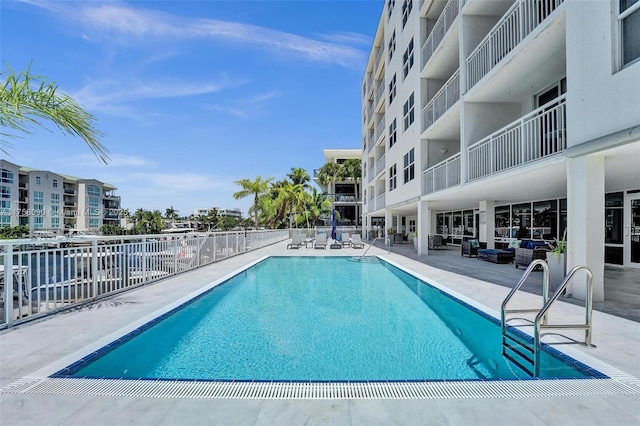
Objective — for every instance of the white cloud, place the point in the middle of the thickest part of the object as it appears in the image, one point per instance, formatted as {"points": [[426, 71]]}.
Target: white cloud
{"points": [[115, 160], [119, 22]]}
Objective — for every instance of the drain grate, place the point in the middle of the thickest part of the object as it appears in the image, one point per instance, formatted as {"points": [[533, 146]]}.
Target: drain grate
{"points": [[296, 390]]}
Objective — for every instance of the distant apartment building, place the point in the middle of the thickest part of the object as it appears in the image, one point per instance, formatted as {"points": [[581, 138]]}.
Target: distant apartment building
{"points": [[345, 195], [234, 213], [44, 200], [496, 120]]}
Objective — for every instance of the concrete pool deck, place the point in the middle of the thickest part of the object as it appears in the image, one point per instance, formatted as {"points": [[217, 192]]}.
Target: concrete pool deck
{"points": [[33, 346]]}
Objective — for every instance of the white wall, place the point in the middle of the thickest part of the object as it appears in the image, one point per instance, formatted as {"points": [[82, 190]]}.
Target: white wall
{"points": [[600, 99]]}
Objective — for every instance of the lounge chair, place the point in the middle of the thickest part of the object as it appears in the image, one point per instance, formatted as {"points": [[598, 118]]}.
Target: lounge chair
{"points": [[296, 242], [320, 242], [346, 239], [356, 242]]}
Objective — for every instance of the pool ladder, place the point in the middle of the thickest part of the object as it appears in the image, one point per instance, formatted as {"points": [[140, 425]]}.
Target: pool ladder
{"points": [[517, 346], [386, 242]]}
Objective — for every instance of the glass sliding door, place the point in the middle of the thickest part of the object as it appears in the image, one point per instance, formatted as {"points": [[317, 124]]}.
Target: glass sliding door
{"points": [[632, 231]]}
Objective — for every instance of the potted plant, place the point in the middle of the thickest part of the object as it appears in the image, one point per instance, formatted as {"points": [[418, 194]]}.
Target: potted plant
{"points": [[390, 232], [557, 261]]}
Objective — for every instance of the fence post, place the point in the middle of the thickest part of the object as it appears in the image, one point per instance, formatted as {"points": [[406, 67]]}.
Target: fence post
{"points": [[94, 268], [8, 284]]}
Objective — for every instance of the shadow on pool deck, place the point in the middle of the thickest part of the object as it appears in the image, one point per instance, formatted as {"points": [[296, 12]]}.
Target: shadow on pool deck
{"points": [[621, 286]]}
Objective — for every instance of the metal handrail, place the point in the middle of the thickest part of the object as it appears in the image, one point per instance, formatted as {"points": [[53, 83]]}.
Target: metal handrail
{"points": [[525, 275], [540, 321], [386, 242]]}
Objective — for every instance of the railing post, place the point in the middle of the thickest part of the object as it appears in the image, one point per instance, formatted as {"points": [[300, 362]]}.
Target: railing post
{"points": [[94, 268], [8, 284]]}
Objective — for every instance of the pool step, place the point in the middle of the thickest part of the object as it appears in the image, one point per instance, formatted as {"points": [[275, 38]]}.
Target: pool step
{"points": [[518, 348]]}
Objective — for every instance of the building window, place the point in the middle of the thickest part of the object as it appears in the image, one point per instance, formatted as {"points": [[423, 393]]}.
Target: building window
{"points": [[392, 178], [409, 115], [37, 180], [7, 176], [392, 44], [409, 166], [38, 197], [38, 222], [55, 183], [93, 190], [5, 191], [629, 24], [392, 133], [93, 223], [390, 5], [407, 5], [392, 88], [407, 59]]}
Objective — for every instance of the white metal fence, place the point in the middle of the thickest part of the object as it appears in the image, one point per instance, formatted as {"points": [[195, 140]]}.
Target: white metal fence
{"points": [[51, 275], [443, 175], [444, 22], [519, 21], [448, 95], [538, 134]]}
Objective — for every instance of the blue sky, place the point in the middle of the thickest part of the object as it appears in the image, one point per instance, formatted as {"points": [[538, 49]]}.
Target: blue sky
{"points": [[194, 95]]}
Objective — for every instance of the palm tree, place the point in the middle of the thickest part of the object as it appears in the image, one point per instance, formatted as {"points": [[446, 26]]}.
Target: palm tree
{"points": [[25, 99], [171, 213], [299, 176], [318, 205], [352, 169], [256, 188], [329, 173]]}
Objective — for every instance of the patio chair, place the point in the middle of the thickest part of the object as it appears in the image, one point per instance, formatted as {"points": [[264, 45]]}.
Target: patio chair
{"points": [[346, 239], [438, 242], [470, 248], [356, 241], [296, 242], [320, 242]]}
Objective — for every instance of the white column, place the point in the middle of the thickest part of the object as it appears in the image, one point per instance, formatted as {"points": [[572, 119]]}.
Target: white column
{"points": [[585, 222], [423, 227], [487, 223]]}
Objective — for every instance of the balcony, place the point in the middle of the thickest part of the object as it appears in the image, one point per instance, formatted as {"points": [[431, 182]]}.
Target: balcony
{"points": [[379, 92], [69, 191], [539, 134], [378, 59], [443, 24], [380, 202], [344, 198], [443, 175], [448, 95], [519, 21], [23, 185], [69, 203], [379, 131], [380, 165]]}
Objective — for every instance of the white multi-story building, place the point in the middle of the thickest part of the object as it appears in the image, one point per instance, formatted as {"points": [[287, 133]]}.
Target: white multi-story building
{"points": [[502, 119], [345, 195], [234, 213], [43, 200]]}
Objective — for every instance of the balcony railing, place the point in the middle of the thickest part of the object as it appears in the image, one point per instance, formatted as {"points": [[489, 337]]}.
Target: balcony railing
{"points": [[69, 191], [380, 203], [443, 175], [379, 92], [379, 130], [344, 198], [379, 54], [539, 134], [444, 22], [522, 18], [372, 174], [380, 165], [448, 95]]}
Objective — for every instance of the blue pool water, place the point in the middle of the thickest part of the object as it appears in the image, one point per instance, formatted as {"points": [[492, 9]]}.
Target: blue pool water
{"points": [[317, 319]]}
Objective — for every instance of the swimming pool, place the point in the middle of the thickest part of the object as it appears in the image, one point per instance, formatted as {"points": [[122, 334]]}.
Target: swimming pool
{"points": [[317, 319]]}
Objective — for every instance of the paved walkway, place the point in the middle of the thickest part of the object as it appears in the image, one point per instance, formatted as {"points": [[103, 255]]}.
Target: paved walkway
{"points": [[30, 347], [621, 286]]}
